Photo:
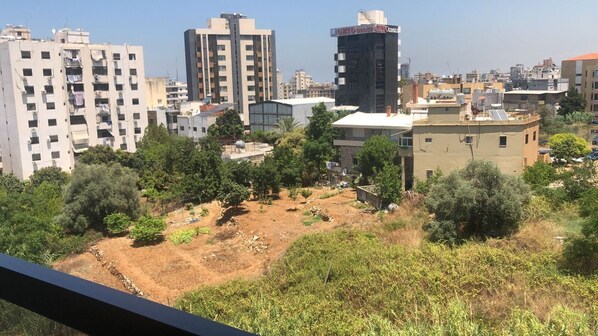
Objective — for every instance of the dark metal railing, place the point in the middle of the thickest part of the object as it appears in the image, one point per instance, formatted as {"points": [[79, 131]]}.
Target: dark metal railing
{"points": [[95, 309]]}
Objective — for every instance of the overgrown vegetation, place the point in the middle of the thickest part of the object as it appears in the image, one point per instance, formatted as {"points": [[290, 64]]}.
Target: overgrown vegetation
{"points": [[350, 283], [148, 230]]}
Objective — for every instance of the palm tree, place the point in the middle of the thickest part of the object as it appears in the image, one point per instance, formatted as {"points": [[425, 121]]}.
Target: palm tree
{"points": [[287, 124]]}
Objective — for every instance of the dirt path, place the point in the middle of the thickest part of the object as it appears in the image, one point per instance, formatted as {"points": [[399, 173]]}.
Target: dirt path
{"points": [[165, 271]]}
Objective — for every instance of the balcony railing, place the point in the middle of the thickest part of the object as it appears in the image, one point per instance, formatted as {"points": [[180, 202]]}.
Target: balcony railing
{"points": [[406, 142], [95, 309]]}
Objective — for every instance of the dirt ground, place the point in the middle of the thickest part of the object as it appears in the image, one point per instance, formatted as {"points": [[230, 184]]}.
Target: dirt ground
{"points": [[245, 249]]}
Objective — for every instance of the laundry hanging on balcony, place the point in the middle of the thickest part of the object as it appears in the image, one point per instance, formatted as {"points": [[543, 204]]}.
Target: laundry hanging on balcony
{"points": [[97, 55], [73, 78], [78, 98]]}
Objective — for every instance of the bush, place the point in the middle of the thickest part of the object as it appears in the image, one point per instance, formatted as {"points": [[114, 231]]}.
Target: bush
{"points": [[581, 253], [148, 230], [306, 193], [568, 146], [423, 187], [539, 175], [588, 202], [184, 236], [117, 223], [443, 232], [389, 186]]}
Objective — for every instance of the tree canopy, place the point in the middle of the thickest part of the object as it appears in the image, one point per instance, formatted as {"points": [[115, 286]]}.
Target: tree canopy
{"points": [[375, 153], [567, 146], [227, 126], [478, 200], [574, 101]]}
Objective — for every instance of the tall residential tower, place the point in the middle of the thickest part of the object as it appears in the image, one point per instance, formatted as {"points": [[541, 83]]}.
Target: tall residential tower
{"points": [[231, 61], [367, 63], [61, 96]]}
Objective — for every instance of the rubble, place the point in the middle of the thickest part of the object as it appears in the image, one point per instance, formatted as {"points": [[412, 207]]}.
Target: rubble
{"points": [[127, 283]]}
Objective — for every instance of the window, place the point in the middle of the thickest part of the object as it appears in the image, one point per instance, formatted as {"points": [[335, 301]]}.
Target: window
{"points": [[27, 72], [49, 89], [136, 116], [355, 161], [120, 102], [36, 157], [118, 87], [133, 72], [526, 139], [222, 78], [132, 57], [534, 138], [25, 54], [29, 90], [182, 128], [47, 72], [221, 68], [251, 98], [251, 78], [249, 58], [101, 87], [123, 146], [52, 122], [429, 173], [32, 123], [118, 72], [221, 47], [31, 107], [134, 87], [251, 88], [122, 131], [250, 68], [137, 130], [502, 141], [223, 89], [203, 130], [194, 129], [135, 101], [116, 57], [428, 140], [45, 55], [50, 106], [34, 140], [221, 58], [121, 117], [468, 139], [56, 155], [53, 138], [249, 47]]}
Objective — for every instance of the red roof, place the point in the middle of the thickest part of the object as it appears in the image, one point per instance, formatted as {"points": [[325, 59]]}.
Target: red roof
{"points": [[590, 56]]}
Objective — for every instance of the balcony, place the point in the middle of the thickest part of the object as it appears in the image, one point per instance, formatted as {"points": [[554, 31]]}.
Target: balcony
{"points": [[72, 62], [103, 110], [105, 125], [100, 78]]}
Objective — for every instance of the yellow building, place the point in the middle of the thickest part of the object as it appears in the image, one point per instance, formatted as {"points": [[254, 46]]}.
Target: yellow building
{"points": [[582, 72]]}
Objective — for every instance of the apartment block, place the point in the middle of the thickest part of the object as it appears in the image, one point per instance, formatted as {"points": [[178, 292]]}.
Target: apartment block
{"points": [[64, 95], [264, 116], [582, 72], [367, 63], [231, 62]]}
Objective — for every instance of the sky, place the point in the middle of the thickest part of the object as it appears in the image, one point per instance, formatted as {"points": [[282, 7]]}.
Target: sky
{"points": [[440, 36]]}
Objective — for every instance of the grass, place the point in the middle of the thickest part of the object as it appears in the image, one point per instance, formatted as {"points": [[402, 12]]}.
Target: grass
{"points": [[352, 283], [330, 194], [185, 236], [311, 220]]}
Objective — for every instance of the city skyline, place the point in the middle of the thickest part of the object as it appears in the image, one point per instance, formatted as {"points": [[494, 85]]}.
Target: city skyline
{"points": [[441, 37]]}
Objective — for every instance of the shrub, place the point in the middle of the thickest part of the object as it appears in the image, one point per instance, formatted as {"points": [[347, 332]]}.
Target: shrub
{"points": [[388, 184], [443, 232], [539, 175], [148, 230], [184, 236], [188, 206], [117, 223], [423, 187], [306, 193], [204, 212]]}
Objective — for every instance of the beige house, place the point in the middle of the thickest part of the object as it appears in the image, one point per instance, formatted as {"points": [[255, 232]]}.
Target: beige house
{"points": [[582, 72], [445, 135]]}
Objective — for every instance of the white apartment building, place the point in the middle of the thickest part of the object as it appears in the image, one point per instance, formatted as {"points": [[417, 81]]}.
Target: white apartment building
{"points": [[176, 93], [231, 62], [61, 96]]}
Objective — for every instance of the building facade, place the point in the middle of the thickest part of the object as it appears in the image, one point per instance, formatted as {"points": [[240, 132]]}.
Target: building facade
{"points": [[582, 72], [367, 63], [176, 93], [264, 116], [64, 95], [231, 62], [532, 100]]}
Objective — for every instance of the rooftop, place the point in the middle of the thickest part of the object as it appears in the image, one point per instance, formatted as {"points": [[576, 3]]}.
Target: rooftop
{"points": [[301, 101], [533, 92], [375, 120], [590, 56]]}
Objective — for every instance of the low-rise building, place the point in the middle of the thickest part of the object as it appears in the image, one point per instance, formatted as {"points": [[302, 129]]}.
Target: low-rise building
{"points": [[195, 123], [264, 116], [532, 100]]}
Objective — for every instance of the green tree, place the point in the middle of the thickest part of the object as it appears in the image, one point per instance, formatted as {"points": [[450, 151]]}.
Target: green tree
{"points": [[287, 125], [581, 252], [232, 194], [479, 200], [238, 171], [227, 126], [53, 175], [567, 146], [375, 153], [579, 117], [265, 178], [289, 164], [148, 230], [11, 184], [96, 191], [572, 102], [388, 184], [539, 175], [99, 154], [423, 187], [117, 223], [578, 180]]}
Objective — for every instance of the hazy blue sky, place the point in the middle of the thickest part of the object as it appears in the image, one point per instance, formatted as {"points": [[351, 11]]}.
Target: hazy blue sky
{"points": [[465, 34]]}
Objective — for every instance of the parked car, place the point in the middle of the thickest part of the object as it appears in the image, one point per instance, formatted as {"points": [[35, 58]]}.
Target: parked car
{"points": [[593, 156], [595, 141]]}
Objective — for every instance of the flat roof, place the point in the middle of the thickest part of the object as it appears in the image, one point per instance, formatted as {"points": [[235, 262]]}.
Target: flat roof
{"points": [[375, 120], [590, 56], [301, 101], [534, 92]]}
